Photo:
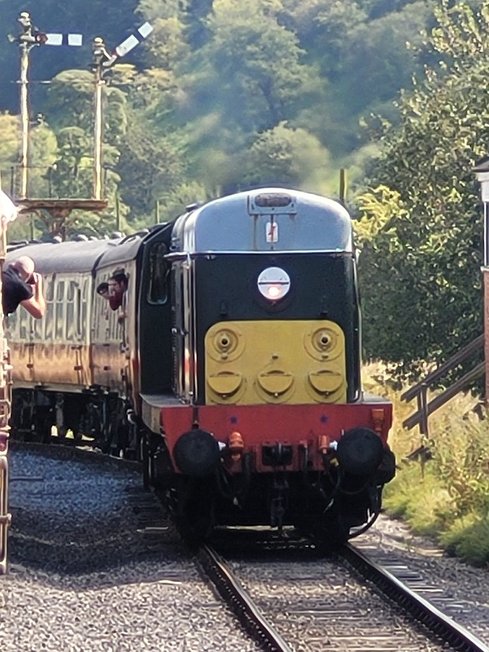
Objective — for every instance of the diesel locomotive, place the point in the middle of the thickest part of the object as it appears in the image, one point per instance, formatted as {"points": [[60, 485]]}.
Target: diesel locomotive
{"points": [[231, 368]]}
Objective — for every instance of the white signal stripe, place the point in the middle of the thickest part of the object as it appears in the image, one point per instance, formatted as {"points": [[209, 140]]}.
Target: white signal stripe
{"points": [[133, 40], [75, 40], [54, 39], [64, 39], [126, 46], [145, 30]]}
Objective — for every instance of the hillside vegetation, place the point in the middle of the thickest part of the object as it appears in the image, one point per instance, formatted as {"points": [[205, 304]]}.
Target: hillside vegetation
{"points": [[223, 95]]}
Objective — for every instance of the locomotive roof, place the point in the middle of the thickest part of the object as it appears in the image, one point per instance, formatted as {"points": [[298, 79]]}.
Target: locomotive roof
{"points": [[83, 256], [265, 219]]}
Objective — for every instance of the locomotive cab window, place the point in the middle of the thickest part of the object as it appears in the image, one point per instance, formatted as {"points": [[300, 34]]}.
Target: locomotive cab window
{"points": [[158, 275]]}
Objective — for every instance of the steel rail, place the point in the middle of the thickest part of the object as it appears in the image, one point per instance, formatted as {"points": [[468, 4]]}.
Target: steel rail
{"points": [[444, 627], [228, 587]]}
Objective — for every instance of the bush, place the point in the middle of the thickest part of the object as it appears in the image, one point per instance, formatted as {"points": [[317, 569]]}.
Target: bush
{"points": [[444, 494]]}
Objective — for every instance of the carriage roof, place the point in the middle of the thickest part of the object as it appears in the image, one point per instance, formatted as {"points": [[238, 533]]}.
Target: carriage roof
{"points": [[83, 256]]}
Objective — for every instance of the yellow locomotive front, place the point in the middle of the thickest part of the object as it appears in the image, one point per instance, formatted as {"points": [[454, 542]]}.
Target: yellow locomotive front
{"points": [[298, 362]]}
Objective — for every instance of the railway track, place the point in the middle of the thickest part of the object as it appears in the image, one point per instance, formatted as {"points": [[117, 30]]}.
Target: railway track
{"points": [[438, 623], [321, 614], [83, 520]]}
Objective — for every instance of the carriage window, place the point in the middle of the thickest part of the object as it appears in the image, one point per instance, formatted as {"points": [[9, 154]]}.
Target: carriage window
{"points": [[22, 317], [37, 328], [72, 305], [158, 274], [49, 316], [114, 328], [83, 303], [60, 311]]}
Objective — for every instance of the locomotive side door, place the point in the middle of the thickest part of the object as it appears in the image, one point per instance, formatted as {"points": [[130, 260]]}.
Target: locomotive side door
{"points": [[183, 329], [156, 310]]}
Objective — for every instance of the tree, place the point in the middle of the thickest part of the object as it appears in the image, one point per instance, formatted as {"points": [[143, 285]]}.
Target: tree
{"points": [[255, 72], [148, 166], [9, 146], [420, 268], [217, 75], [286, 156], [71, 174]]}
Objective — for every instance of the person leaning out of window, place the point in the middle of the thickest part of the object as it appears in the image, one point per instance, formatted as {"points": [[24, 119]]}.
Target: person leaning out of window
{"points": [[21, 285], [118, 283]]}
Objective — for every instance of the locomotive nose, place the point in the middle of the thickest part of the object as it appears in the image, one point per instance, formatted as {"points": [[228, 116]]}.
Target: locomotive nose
{"points": [[196, 453], [360, 451]]}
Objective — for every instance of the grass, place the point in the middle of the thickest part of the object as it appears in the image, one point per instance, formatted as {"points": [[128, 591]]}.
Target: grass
{"points": [[446, 494]]}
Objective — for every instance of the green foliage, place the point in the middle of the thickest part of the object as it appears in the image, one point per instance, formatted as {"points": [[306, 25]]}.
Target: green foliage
{"points": [[468, 538], [447, 495], [450, 504], [214, 78], [10, 141], [285, 156], [461, 451], [71, 174], [167, 46], [70, 99], [173, 203], [418, 497], [43, 153], [154, 9], [362, 55], [149, 167], [255, 63], [421, 272]]}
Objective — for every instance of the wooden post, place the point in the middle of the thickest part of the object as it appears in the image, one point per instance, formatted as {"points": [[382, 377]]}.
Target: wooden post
{"points": [[343, 186], [24, 117], [98, 136]]}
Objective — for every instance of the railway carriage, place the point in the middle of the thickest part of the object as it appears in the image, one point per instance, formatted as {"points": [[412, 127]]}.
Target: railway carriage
{"points": [[232, 369]]}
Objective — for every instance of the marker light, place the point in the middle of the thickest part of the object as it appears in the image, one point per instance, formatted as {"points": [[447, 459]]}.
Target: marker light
{"points": [[273, 283]]}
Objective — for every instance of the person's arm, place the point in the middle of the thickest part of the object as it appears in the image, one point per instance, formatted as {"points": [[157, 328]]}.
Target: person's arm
{"points": [[36, 305]]}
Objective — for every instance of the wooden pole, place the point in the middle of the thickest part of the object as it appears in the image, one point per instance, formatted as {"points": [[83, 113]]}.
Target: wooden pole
{"points": [[98, 135], [24, 117], [343, 186]]}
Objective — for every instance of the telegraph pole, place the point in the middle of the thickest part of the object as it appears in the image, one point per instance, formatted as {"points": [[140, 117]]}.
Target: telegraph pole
{"points": [[103, 60], [24, 117], [27, 39]]}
